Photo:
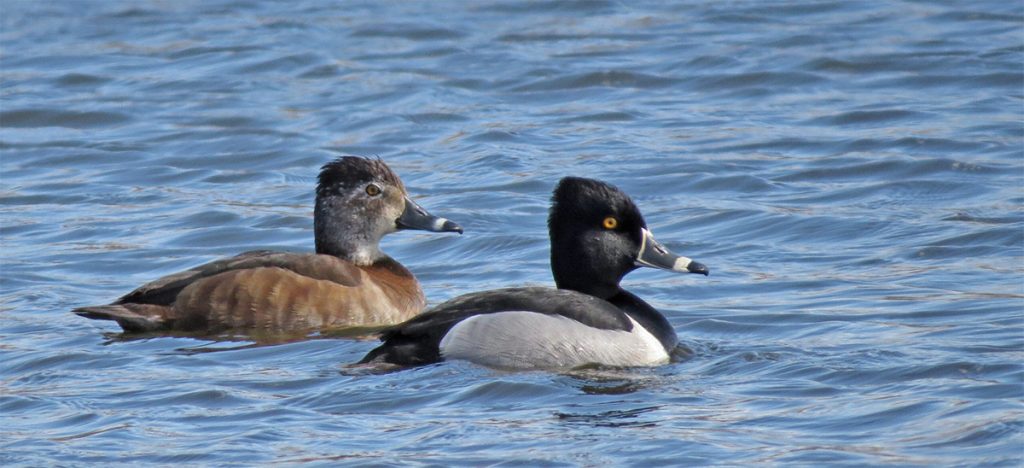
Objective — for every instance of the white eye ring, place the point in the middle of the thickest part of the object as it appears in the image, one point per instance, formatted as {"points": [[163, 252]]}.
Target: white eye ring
{"points": [[373, 190]]}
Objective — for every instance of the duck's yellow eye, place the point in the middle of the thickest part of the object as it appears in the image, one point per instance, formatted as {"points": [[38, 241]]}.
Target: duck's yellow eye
{"points": [[610, 223], [372, 190]]}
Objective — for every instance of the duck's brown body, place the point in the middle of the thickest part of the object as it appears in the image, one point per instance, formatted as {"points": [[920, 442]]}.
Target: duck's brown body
{"points": [[271, 292], [347, 283]]}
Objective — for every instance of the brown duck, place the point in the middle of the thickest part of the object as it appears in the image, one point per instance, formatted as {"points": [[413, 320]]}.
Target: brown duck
{"points": [[348, 282]]}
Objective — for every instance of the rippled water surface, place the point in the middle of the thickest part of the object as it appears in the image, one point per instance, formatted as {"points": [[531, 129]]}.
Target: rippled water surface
{"points": [[851, 172]]}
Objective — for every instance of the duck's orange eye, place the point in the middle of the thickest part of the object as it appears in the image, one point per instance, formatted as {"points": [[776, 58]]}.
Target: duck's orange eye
{"points": [[610, 223], [372, 190]]}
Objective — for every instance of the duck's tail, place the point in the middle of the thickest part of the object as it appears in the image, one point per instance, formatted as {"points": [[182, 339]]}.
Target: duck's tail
{"points": [[131, 317]]}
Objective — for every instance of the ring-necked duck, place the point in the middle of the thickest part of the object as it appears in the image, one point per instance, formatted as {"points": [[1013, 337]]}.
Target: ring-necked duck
{"points": [[597, 236], [348, 282]]}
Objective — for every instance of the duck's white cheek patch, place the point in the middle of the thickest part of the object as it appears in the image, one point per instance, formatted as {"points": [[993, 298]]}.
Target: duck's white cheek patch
{"points": [[528, 340]]}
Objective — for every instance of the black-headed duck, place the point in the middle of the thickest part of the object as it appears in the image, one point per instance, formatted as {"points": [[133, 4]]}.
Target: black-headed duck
{"points": [[597, 236]]}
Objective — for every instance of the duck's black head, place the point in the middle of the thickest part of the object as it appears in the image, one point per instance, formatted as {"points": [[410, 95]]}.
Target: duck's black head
{"points": [[359, 201], [598, 236]]}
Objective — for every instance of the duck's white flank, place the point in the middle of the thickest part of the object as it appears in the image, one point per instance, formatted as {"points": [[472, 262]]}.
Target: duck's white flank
{"points": [[529, 340]]}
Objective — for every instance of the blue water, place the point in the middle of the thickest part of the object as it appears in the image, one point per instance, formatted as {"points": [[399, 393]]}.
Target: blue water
{"points": [[851, 172]]}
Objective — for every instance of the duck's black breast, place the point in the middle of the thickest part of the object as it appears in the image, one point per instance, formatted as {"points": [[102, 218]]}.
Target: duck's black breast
{"points": [[417, 340], [648, 317]]}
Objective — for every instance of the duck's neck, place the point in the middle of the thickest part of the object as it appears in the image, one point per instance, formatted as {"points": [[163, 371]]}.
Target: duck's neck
{"points": [[333, 235], [647, 317], [573, 271], [591, 288], [360, 253]]}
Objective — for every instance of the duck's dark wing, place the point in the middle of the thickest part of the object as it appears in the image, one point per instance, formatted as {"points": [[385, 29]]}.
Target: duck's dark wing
{"points": [[416, 342], [165, 290]]}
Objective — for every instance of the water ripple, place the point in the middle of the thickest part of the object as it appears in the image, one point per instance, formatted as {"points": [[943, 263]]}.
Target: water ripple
{"points": [[607, 79], [34, 118]]}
